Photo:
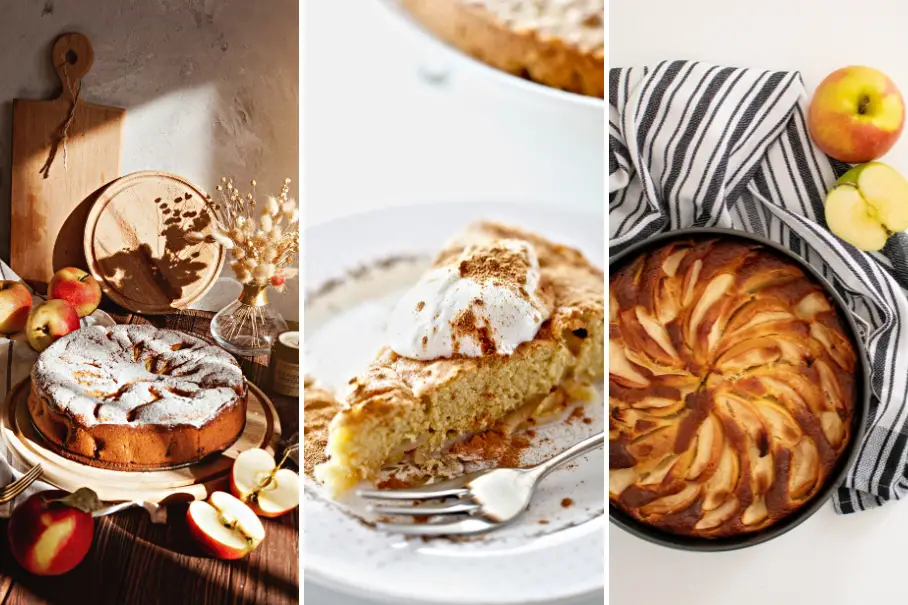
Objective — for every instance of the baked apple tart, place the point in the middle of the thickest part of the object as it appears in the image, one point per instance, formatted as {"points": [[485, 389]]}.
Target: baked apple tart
{"points": [[731, 387]]}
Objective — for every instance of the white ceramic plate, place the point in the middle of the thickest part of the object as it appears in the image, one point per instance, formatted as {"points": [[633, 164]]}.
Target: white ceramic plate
{"points": [[555, 552], [457, 59]]}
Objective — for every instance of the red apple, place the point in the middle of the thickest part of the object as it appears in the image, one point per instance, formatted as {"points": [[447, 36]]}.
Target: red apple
{"points": [[15, 305], [268, 490], [224, 527], [76, 287], [50, 321], [856, 114], [49, 538]]}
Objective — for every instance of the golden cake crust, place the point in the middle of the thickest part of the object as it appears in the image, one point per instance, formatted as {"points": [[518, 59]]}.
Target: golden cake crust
{"points": [[404, 405], [553, 42], [731, 387], [137, 398]]}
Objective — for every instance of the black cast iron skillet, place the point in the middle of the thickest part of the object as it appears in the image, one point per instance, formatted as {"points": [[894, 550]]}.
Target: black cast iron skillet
{"points": [[859, 423]]}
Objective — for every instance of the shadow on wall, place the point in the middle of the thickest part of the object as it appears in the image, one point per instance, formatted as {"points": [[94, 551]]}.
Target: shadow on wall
{"points": [[210, 86]]}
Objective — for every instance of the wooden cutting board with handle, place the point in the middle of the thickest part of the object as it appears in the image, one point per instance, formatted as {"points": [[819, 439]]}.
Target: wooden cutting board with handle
{"points": [[64, 151]]}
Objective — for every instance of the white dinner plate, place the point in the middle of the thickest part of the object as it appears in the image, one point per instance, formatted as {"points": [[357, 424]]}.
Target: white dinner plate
{"points": [[355, 268], [457, 59]]}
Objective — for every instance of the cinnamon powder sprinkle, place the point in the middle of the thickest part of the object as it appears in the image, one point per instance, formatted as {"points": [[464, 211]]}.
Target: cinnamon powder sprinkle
{"points": [[577, 414], [465, 324], [492, 445], [566, 503], [500, 263], [319, 408]]}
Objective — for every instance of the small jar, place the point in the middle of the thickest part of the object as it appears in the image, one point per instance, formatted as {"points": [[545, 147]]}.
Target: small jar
{"points": [[285, 364]]}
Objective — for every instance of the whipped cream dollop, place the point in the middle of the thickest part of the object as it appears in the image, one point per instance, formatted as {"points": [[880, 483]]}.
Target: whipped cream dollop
{"points": [[484, 302]]}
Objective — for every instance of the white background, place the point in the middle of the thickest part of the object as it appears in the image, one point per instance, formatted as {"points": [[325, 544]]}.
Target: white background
{"points": [[377, 133], [830, 559]]}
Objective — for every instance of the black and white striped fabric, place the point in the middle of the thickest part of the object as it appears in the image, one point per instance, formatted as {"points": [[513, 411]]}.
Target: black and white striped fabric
{"points": [[692, 144]]}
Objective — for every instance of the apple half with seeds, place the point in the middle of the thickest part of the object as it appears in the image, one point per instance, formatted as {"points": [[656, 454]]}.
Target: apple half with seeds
{"points": [[257, 480], [867, 205], [224, 526]]}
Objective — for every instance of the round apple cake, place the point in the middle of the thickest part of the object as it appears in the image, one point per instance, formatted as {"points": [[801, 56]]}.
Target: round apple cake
{"points": [[136, 397], [731, 387], [557, 43]]}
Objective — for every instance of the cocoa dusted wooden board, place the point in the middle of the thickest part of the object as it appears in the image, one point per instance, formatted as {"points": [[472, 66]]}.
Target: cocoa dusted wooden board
{"points": [[64, 150]]}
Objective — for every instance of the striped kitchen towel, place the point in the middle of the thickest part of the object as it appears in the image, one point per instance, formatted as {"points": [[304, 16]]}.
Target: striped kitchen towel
{"points": [[692, 144]]}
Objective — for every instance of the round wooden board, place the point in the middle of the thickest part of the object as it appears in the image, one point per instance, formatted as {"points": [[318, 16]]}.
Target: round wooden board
{"points": [[193, 482], [136, 248]]}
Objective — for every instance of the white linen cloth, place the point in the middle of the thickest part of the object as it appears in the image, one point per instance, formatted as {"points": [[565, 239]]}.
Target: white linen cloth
{"points": [[16, 361]]}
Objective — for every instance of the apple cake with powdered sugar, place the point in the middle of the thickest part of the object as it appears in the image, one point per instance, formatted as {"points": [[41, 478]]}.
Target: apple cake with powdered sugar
{"points": [[137, 397]]}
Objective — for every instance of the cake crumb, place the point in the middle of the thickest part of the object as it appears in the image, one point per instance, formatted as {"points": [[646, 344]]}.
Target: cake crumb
{"points": [[543, 522], [420, 306], [393, 482], [566, 503], [493, 446]]}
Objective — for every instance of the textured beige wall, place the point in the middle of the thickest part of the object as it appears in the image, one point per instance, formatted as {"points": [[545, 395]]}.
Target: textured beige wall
{"points": [[210, 87]]}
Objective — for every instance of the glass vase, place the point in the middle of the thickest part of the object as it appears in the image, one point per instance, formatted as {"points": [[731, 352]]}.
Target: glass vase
{"points": [[249, 325]]}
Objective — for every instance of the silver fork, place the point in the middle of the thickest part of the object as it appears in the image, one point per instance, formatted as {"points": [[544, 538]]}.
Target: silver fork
{"points": [[10, 491], [490, 499]]}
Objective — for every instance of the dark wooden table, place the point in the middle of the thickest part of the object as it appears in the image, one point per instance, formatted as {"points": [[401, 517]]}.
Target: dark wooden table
{"points": [[135, 562]]}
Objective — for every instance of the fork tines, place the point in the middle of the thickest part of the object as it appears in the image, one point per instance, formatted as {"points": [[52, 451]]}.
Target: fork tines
{"points": [[21, 484]]}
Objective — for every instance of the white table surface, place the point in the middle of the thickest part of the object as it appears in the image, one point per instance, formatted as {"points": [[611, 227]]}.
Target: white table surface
{"points": [[377, 133], [830, 559]]}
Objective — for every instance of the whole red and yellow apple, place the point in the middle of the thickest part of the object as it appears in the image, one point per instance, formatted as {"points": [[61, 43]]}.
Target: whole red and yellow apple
{"points": [[49, 322], [15, 305], [49, 538], [224, 526], [76, 287], [268, 490], [856, 114]]}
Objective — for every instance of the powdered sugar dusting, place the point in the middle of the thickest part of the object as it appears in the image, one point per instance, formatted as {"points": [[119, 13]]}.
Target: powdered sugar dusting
{"points": [[137, 375]]}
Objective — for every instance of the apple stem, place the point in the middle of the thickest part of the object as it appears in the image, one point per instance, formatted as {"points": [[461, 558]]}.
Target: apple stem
{"points": [[268, 480], [863, 104], [283, 459]]}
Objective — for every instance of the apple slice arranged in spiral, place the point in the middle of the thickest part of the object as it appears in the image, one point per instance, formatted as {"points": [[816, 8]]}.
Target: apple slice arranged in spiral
{"points": [[259, 481]]}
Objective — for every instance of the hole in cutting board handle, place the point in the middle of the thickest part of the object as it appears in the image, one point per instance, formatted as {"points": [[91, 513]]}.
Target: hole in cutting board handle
{"points": [[72, 57]]}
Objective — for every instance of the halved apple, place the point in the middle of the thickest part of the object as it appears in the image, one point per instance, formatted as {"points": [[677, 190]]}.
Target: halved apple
{"points": [[256, 480], [224, 526], [867, 205]]}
